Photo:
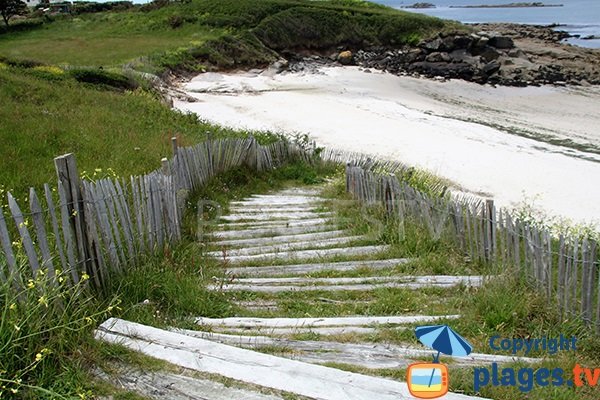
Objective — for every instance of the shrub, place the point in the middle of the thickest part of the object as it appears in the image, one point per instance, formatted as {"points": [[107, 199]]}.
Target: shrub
{"points": [[102, 77]]}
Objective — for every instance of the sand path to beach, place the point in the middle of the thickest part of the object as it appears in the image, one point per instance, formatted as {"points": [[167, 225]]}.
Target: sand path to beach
{"points": [[537, 144]]}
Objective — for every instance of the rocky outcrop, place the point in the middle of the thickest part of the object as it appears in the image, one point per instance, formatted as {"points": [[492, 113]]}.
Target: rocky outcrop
{"points": [[502, 54], [492, 55]]}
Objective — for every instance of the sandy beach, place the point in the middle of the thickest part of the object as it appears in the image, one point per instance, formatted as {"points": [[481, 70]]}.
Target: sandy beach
{"points": [[537, 145]]}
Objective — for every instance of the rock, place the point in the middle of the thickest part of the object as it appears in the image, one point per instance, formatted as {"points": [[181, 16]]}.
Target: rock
{"points": [[280, 65], [413, 55], [458, 70], [491, 68], [367, 71], [516, 53], [463, 56], [345, 57], [489, 54], [463, 42], [481, 43], [438, 57], [333, 56], [501, 42], [434, 45]]}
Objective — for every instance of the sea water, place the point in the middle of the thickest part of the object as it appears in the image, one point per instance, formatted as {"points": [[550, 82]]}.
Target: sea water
{"points": [[578, 17]]}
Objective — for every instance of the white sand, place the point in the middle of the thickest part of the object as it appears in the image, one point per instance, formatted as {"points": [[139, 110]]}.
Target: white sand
{"points": [[423, 123]]}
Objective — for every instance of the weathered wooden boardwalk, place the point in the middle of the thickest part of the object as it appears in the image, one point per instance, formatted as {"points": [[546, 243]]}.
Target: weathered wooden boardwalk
{"points": [[274, 244]]}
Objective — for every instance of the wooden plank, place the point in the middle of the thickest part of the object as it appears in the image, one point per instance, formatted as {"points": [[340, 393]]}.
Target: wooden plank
{"points": [[574, 278], [324, 331], [241, 322], [567, 279], [585, 276], [19, 219], [560, 285], [68, 175], [156, 209], [160, 385], [40, 230], [304, 269], [139, 235], [313, 381], [109, 200], [65, 215], [366, 355], [104, 225], [242, 226], [308, 254], [55, 229], [590, 287], [517, 243], [289, 246], [9, 255], [99, 272], [125, 217], [422, 279], [275, 217], [148, 213], [270, 240]]}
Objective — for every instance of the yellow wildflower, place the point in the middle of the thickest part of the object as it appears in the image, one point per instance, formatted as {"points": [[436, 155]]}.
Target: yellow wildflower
{"points": [[30, 284], [13, 306], [43, 300], [38, 357], [85, 277], [49, 69]]}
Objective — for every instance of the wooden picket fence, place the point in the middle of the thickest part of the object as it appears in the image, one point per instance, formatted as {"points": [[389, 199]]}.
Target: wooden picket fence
{"points": [[565, 268], [99, 227]]}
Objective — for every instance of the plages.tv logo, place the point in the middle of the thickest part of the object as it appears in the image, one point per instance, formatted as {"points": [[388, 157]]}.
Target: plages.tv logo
{"points": [[431, 380]]}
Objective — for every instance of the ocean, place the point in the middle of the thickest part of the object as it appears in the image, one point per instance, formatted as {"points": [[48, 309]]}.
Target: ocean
{"points": [[578, 17]]}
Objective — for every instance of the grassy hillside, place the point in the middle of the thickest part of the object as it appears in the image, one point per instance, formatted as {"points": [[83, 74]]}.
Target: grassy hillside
{"points": [[168, 36], [45, 112]]}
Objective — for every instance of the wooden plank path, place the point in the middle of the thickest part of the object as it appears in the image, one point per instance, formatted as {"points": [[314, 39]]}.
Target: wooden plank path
{"points": [[272, 244]]}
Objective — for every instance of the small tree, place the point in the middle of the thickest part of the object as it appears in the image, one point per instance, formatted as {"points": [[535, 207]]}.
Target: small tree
{"points": [[10, 8]]}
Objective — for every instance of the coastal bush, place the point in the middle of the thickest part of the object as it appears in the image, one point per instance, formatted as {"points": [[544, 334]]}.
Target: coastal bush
{"points": [[103, 78], [311, 27]]}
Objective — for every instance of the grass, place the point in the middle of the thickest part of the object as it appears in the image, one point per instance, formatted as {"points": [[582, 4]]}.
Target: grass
{"points": [[46, 114], [107, 39]]}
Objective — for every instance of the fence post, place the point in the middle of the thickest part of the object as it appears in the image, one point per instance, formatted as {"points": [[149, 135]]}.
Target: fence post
{"points": [[165, 166], [174, 145], [68, 176]]}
